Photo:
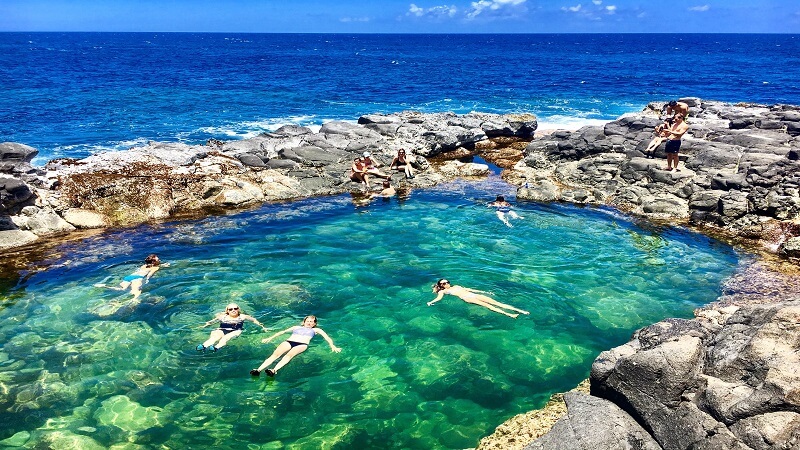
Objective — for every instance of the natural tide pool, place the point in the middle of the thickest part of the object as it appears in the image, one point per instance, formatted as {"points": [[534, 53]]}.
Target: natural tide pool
{"points": [[410, 376]]}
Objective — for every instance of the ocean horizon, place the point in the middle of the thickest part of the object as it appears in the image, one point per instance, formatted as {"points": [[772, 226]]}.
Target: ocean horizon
{"points": [[76, 93]]}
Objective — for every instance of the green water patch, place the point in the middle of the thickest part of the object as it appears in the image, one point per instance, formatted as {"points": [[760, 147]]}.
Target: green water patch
{"points": [[83, 367]]}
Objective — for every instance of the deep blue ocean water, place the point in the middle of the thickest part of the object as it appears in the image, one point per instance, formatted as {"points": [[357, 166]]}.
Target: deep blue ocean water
{"points": [[69, 94]]}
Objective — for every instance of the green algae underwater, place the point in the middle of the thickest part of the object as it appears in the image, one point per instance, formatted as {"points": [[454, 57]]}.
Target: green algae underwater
{"points": [[77, 370]]}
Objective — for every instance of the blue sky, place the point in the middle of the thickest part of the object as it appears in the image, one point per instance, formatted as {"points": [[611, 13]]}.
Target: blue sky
{"points": [[396, 16]]}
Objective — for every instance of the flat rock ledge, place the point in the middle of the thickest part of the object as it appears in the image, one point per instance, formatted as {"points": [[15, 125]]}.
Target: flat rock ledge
{"points": [[727, 379], [738, 173], [164, 180]]}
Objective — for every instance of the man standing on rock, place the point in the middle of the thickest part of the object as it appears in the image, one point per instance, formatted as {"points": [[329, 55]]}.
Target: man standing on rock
{"points": [[675, 107], [674, 134]]}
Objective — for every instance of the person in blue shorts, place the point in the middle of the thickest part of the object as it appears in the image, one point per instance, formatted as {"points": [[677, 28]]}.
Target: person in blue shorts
{"points": [[674, 134], [141, 276]]}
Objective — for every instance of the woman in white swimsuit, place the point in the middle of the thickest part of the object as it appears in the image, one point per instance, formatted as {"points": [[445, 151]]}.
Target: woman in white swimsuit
{"points": [[296, 344]]}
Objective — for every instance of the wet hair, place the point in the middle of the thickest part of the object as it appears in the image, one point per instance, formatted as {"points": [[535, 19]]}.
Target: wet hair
{"points": [[500, 198], [673, 103], [438, 285], [309, 316], [152, 260], [387, 183]]}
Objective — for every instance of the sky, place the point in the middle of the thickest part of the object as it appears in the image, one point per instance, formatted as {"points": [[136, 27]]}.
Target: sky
{"points": [[404, 16]]}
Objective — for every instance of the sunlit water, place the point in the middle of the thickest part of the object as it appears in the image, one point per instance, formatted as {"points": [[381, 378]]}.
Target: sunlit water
{"points": [[409, 376]]}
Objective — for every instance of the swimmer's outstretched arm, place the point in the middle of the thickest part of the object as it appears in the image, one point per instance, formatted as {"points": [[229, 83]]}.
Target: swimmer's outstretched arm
{"points": [[265, 340], [438, 297], [325, 336], [215, 319], [254, 320]]}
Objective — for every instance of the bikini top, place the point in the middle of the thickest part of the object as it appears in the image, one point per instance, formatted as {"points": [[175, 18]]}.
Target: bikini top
{"points": [[304, 331]]}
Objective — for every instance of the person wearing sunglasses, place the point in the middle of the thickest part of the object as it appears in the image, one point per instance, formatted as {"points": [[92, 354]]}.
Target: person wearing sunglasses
{"points": [[473, 296], [401, 162], [231, 324]]}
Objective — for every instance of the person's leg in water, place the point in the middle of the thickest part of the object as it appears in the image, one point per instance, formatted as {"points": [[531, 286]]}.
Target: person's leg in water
{"points": [[493, 308], [296, 350], [213, 338], [502, 216], [491, 301], [280, 350], [227, 337]]}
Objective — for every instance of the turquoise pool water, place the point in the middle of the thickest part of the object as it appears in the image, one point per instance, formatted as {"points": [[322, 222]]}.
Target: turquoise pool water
{"points": [[75, 372]]}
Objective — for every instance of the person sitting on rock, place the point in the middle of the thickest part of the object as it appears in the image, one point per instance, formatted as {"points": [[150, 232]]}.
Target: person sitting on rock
{"points": [[358, 172], [660, 136], [402, 163], [372, 166]]}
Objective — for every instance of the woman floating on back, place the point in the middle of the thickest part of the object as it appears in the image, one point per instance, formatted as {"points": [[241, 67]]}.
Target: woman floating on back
{"points": [[473, 296], [296, 344], [231, 324]]}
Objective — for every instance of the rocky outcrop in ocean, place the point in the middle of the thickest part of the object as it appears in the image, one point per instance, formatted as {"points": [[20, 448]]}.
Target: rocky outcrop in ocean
{"points": [[730, 377], [726, 380], [162, 180], [738, 172]]}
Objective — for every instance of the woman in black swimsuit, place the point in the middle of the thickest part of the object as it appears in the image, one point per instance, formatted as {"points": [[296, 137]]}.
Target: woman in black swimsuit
{"points": [[231, 324]]}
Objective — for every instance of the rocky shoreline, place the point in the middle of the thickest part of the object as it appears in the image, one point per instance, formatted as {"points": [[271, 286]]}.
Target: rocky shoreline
{"points": [[726, 379]]}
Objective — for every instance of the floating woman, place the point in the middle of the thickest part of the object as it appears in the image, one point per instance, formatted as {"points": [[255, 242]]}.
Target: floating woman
{"points": [[231, 324], [296, 344], [142, 275], [473, 296]]}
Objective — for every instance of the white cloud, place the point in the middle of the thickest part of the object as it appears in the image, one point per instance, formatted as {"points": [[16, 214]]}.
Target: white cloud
{"points": [[597, 2], [571, 8], [491, 5], [435, 11], [611, 9], [415, 10], [700, 8]]}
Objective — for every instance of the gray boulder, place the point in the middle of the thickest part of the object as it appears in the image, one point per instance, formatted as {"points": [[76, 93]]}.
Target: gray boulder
{"points": [[592, 423]]}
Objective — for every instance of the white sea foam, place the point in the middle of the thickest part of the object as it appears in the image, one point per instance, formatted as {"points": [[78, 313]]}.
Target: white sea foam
{"points": [[569, 123], [248, 129]]}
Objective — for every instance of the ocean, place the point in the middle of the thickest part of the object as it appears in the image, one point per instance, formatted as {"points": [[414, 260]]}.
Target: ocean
{"points": [[71, 94]]}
